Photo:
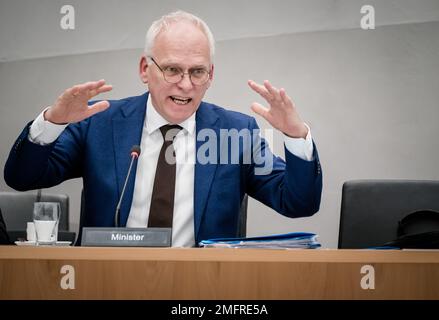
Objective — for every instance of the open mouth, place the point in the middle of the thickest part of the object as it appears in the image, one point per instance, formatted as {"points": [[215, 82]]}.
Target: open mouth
{"points": [[181, 100]]}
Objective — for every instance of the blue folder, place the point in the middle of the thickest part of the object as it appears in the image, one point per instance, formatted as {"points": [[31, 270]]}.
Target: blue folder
{"points": [[296, 240]]}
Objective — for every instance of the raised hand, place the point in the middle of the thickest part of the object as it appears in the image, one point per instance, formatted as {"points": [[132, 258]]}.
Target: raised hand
{"points": [[72, 104], [282, 113]]}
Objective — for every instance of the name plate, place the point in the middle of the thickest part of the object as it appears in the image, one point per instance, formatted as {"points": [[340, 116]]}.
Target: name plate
{"points": [[126, 237]]}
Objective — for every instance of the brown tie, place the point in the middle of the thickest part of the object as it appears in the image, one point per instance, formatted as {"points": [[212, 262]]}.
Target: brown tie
{"points": [[162, 201]]}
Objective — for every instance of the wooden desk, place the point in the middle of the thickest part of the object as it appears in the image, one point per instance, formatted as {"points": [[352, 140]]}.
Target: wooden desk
{"points": [[153, 273]]}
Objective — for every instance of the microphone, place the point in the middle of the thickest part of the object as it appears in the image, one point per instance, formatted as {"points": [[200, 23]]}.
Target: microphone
{"points": [[38, 195], [134, 153]]}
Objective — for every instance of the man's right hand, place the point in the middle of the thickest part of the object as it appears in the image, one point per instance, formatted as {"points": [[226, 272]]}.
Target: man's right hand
{"points": [[72, 105]]}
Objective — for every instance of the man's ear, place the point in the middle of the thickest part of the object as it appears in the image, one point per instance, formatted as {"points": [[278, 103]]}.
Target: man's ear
{"points": [[143, 66], [210, 76]]}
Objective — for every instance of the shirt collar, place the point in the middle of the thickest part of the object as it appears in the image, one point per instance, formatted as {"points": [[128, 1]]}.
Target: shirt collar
{"points": [[154, 120]]}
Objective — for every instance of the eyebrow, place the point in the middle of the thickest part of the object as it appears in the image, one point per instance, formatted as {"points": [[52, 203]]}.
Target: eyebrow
{"points": [[174, 64]]}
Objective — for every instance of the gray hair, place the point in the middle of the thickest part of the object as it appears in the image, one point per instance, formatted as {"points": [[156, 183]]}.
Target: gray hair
{"points": [[165, 21]]}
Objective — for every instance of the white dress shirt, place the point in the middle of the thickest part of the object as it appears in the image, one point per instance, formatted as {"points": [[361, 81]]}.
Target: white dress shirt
{"points": [[183, 235]]}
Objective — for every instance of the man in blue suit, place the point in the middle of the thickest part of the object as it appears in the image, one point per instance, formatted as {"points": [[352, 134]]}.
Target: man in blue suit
{"points": [[74, 138]]}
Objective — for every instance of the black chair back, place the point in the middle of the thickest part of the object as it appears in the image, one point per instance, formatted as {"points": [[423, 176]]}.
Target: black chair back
{"points": [[242, 223], [17, 209], [372, 209], [4, 237]]}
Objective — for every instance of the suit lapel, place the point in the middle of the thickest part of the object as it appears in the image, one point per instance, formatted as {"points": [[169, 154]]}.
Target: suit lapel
{"points": [[127, 131], [204, 173]]}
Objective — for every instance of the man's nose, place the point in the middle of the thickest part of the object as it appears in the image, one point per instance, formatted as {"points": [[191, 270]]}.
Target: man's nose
{"points": [[185, 83]]}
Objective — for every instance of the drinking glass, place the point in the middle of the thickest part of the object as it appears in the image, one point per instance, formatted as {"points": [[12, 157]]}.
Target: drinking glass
{"points": [[46, 218]]}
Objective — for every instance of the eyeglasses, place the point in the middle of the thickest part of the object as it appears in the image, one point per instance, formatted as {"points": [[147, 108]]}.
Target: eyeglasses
{"points": [[173, 74]]}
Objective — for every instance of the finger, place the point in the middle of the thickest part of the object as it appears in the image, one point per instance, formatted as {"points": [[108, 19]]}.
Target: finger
{"points": [[100, 90], [73, 91], [260, 110], [105, 88], [272, 90], [97, 107], [78, 90], [260, 89], [86, 87], [285, 98], [94, 84], [91, 88]]}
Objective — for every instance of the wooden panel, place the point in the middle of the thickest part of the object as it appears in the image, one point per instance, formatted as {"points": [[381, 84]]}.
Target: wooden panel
{"points": [[151, 273]]}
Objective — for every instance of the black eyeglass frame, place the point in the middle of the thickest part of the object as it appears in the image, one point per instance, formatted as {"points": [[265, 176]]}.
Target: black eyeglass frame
{"points": [[181, 75]]}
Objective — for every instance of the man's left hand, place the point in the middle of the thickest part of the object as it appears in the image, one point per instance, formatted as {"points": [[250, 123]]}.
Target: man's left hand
{"points": [[282, 113]]}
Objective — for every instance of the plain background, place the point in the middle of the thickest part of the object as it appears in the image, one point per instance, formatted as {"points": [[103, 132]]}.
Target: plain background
{"points": [[370, 96]]}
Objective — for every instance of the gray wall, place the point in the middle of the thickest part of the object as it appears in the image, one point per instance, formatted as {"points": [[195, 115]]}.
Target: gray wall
{"points": [[370, 97], [30, 29]]}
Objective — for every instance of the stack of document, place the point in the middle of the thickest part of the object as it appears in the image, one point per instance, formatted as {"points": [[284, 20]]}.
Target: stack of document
{"points": [[295, 240]]}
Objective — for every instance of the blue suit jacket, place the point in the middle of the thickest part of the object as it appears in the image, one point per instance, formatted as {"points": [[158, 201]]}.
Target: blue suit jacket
{"points": [[97, 149]]}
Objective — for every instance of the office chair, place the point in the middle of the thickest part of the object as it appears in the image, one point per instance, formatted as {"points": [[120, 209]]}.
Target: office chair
{"points": [[4, 237], [372, 209], [17, 209], [242, 222]]}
